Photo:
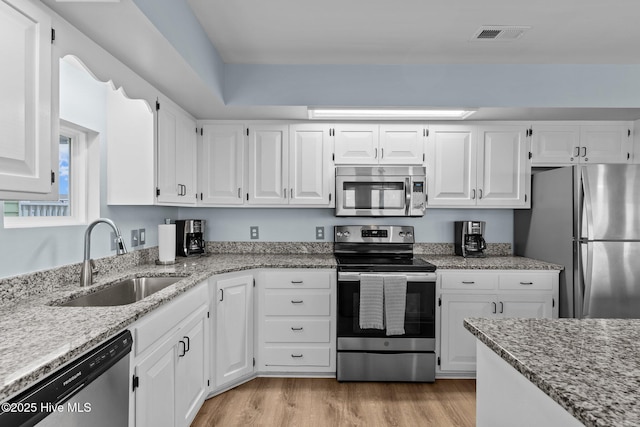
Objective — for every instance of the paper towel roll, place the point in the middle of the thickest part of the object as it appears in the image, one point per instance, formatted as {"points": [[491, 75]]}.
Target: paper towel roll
{"points": [[167, 242]]}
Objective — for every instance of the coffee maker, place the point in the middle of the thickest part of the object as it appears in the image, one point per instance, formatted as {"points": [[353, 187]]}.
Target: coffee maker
{"points": [[189, 237], [469, 239]]}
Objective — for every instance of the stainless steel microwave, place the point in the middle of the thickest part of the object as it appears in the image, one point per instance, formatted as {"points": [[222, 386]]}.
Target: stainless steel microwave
{"points": [[381, 191]]}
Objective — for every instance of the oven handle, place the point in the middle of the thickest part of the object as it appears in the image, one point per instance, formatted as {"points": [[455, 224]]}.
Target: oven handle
{"points": [[344, 276]]}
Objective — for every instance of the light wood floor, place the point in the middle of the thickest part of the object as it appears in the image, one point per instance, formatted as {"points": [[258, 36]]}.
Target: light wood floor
{"points": [[326, 402]]}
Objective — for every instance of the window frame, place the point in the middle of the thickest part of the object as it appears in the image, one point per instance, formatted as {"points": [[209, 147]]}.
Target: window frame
{"points": [[84, 182]]}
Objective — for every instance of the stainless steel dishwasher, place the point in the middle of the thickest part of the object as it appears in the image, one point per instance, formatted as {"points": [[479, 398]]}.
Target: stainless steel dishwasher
{"points": [[93, 390]]}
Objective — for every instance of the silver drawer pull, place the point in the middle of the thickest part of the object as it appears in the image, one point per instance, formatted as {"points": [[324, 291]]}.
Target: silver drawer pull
{"points": [[297, 356], [297, 282], [297, 302], [468, 282], [297, 329], [526, 283]]}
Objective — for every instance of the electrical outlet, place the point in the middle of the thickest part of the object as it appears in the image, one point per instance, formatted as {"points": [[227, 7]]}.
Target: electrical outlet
{"points": [[134, 238], [254, 232], [142, 234], [319, 233], [113, 241]]}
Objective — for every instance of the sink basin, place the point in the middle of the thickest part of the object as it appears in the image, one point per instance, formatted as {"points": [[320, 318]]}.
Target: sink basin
{"points": [[124, 292]]}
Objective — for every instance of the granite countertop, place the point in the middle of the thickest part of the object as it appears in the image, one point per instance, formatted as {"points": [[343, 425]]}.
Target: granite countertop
{"points": [[491, 262], [36, 338], [591, 367]]}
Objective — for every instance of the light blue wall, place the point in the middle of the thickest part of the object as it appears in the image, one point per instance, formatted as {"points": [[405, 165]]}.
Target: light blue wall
{"points": [[298, 225], [83, 102], [457, 85]]}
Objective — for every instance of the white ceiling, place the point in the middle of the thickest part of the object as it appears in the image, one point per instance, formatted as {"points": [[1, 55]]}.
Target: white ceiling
{"points": [[420, 31]]}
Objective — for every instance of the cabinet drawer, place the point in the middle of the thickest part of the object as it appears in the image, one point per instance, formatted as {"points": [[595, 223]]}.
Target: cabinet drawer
{"points": [[469, 281], [290, 330], [526, 281], [296, 356], [297, 304], [298, 279]]}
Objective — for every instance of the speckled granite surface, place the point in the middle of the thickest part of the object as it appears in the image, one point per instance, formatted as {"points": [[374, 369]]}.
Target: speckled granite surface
{"points": [[36, 338], [452, 262], [493, 249], [590, 367]]}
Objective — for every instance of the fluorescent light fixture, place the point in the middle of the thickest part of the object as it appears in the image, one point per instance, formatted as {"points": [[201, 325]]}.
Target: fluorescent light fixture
{"points": [[387, 114]]}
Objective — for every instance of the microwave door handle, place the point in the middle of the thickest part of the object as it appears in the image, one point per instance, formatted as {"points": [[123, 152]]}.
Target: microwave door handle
{"points": [[407, 196]]}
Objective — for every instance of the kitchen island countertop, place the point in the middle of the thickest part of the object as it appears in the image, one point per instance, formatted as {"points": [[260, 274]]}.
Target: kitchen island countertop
{"points": [[590, 367]]}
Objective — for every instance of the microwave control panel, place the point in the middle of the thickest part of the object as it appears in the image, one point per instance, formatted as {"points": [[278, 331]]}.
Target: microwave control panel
{"points": [[418, 196]]}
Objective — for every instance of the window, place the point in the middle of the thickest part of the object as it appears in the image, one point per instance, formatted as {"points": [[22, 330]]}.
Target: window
{"points": [[78, 185]]}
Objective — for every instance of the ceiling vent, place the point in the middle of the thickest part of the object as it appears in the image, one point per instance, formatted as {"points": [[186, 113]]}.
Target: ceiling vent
{"points": [[499, 32]]}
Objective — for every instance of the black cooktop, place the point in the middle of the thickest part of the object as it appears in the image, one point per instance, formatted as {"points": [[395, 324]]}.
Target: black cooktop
{"points": [[382, 263]]}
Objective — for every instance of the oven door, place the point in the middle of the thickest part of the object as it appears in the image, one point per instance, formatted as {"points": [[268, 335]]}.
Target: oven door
{"points": [[419, 321], [373, 195]]}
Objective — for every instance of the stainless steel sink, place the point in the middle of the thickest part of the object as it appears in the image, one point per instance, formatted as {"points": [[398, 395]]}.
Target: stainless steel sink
{"points": [[124, 292]]}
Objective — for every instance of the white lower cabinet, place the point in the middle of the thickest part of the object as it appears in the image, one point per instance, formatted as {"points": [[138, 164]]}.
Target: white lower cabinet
{"points": [[482, 293], [233, 348], [296, 321], [171, 374]]}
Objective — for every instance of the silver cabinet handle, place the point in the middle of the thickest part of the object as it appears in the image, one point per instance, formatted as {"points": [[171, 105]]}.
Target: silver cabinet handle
{"points": [[473, 194], [297, 301], [494, 307], [382, 153], [501, 307], [375, 156], [577, 152], [188, 343], [297, 282], [239, 193], [297, 329], [284, 193], [480, 193], [526, 283], [184, 348], [584, 151], [221, 295], [297, 356], [468, 282], [292, 193]]}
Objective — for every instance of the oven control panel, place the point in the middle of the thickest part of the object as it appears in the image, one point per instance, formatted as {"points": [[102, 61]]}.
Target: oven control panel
{"points": [[374, 234]]}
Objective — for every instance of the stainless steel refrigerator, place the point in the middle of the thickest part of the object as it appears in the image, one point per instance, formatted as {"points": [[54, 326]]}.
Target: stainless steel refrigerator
{"points": [[587, 218]]}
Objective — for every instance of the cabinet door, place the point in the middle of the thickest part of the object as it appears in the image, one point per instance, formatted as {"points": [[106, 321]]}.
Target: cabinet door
{"points": [[503, 167], [176, 174], [402, 144], [451, 166], [28, 150], [310, 168], [191, 367], [356, 144], [457, 345], [555, 145], [234, 329], [536, 306], [221, 164], [155, 397], [605, 144], [268, 161]]}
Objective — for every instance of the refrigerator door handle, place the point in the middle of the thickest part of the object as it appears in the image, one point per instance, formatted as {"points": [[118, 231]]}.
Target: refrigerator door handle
{"points": [[586, 257]]}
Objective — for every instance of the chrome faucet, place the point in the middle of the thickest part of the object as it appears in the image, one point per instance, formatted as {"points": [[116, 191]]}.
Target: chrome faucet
{"points": [[86, 274]]}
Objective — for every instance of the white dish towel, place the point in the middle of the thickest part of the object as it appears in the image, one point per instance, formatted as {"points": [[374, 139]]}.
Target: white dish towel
{"points": [[395, 303], [371, 301]]}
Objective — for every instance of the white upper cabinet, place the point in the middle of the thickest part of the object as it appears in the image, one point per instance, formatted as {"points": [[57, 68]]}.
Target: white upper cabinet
{"points": [[221, 163], [28, 143], [451, 166], [402, 144], [366, 144], [477, 166], [503, 167], [568, 144], [268, 158], [176, 172], [310, 168], [356, 144]]}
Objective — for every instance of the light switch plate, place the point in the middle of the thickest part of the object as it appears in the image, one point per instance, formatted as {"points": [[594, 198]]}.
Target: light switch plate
{"points": [[134, 238], [254, 232], [319, 233], [142, 235]]}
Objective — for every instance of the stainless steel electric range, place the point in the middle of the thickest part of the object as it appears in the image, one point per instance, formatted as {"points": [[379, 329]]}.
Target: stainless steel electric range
{"points": [[383, 253]]}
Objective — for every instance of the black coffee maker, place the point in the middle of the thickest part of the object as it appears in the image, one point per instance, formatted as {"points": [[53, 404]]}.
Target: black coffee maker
{"points": [[469, 239], [190, 237]]}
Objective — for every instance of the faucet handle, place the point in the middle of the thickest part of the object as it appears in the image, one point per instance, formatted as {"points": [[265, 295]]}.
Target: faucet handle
{"points": [[94, 270]]}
